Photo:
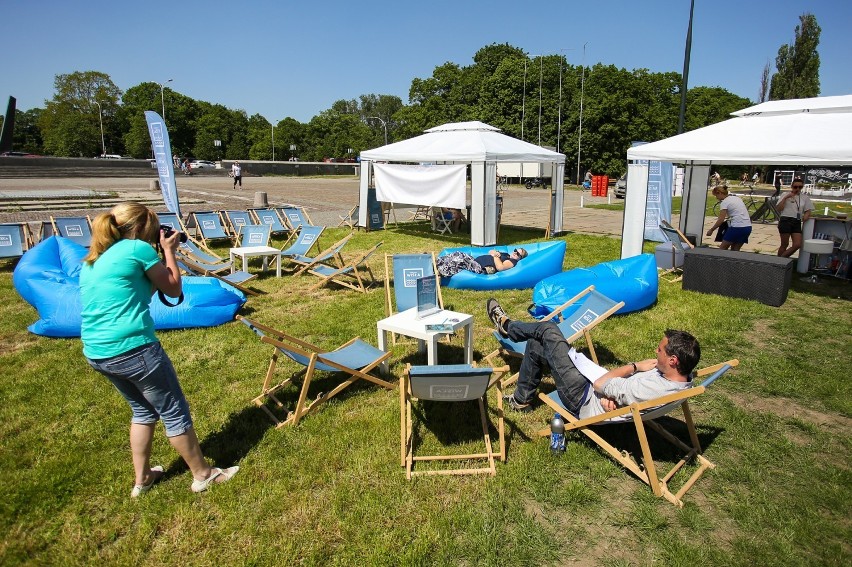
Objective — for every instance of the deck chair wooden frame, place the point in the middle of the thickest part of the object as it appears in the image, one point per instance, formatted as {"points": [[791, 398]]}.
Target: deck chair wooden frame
{"points": [[645, 414], [301, 242], [356, 359], [450, 383], [422, 212], [195, 267], [350, 219], [271, 217], [348, 275], [76, 229], [440, 223], [15, 240], [406, 269], [236, 220], [254, 235], [330, 256], [294, 216], [209, 225], [677, 239], [578, 324], [197, 250]]}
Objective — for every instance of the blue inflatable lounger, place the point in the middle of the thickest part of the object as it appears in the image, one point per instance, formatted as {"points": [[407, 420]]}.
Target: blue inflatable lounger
{"points": [[631, 280], [48, 278], [543, 259]]}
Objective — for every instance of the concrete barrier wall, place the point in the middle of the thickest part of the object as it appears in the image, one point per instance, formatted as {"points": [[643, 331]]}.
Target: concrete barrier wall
{"points": [[296, 168]]}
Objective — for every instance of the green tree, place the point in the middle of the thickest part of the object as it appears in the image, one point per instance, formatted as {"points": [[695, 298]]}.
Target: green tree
{"points": [[797, 65], [27, 136]]}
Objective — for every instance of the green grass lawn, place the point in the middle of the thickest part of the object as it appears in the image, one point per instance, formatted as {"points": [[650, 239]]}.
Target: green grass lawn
{"points": [[330, 491]]}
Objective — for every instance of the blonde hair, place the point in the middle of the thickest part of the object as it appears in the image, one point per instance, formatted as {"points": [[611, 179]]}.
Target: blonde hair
{"points": [[720, 189], [126, 220]]}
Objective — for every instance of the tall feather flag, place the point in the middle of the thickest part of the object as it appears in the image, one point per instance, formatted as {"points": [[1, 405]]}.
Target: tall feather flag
{"points": [[163, 156]]}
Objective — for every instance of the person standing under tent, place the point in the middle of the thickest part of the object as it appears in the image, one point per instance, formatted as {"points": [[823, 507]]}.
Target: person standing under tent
{"points": [[794, 209]]}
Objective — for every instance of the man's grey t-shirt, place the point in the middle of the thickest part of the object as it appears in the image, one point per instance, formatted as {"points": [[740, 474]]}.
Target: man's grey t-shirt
{"points": [[640, 387]]}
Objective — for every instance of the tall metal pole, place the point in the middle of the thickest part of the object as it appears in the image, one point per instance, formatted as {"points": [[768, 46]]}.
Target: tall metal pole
{"points": [[273, 141], [682, 117], [101, 119], [540, 73], [524, 100], [582, 93], [559, 120], [385, 124], [163, 97]]}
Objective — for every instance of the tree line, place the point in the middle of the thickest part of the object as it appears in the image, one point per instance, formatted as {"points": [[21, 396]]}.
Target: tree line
{"points": [[537, 99]]}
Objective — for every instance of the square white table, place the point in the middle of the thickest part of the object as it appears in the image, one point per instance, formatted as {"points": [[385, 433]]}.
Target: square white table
{"points": [[246, 252], [406, 323]]}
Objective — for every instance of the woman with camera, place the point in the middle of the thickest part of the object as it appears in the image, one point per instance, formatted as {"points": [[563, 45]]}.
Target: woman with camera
{"points": [[118, 276]]}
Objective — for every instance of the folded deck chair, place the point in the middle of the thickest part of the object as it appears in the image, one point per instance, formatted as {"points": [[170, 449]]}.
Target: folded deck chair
{"points": [[78, 229], [406, 269], [209, 226], [348, 275], [679, 242], [449, 383], [579, 317], [270, 217], [15, 239], [330, 256], [301, 245], [237, 220], [253, 235], [355, 359], [294, 216], [640, 415], [351, 218], [194, 267], [422, 212]]}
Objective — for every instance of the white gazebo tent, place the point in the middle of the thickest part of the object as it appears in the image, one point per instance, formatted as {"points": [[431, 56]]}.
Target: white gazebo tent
{"points": [[809, 131], [482, 147]]}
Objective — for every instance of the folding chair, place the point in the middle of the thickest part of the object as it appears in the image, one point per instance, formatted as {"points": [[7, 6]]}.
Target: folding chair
{"points": [[355, 359], [421, 213], [253, 235], [579, 317], [295, 216], [198, 251], [237, 220], [306, 238], [351, 218], [347, 275], [209, 226], [440, 223], [15, 239], [331, 254], [680, 243], [172, 221], [642, 414], [194, 267], [450, 383], [270, 217], [406, 270], [78, 229]]}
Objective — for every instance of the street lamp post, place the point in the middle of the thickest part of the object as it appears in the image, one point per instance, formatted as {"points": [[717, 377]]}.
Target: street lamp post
{"points": [[582, 92], [101, 120], [163, 98], [273, 141], [384, 124]]}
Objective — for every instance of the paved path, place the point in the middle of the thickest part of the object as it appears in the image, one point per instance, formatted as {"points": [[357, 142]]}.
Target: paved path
{"points": [[326, 199]]}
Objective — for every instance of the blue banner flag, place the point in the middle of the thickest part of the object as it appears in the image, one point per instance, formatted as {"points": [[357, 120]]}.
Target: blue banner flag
{"points": [[163, 156], [658, 206]]}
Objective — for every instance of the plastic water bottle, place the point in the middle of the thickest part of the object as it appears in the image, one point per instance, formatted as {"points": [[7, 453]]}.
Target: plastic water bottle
{"points": [[557, 434]]}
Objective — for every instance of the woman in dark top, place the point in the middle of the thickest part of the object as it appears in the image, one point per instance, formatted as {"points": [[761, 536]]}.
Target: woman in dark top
{"points": [[490, 263]]}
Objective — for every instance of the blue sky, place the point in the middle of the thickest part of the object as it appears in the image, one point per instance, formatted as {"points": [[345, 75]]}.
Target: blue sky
{"points": [[283, 58]]}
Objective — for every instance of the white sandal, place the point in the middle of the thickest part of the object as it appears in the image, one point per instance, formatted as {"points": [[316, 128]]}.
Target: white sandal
{"points": [[217, 476], [140, 489]]}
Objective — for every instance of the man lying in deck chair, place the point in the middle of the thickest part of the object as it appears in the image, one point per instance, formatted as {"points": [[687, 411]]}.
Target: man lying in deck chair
{"points": [[676, 357]]}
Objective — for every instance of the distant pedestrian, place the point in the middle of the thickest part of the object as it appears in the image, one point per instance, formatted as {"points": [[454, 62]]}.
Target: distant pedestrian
{"points": [[587, 180], [237, 172]]}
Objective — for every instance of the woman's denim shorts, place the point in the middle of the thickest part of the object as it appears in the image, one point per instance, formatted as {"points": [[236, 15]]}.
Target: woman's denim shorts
{"points": [[147, 379]]}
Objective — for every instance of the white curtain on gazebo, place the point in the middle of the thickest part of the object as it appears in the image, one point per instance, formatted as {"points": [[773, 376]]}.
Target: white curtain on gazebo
{"points": [[429, 185]]}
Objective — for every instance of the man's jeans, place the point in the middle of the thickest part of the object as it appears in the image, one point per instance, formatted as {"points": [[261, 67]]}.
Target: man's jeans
{"points": [[546, 346]]}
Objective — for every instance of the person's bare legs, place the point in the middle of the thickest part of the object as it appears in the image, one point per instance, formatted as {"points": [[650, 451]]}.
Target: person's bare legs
{"points": [[796, 237], [785, 241], [735, 246], [725, 245], [141, 437], [189, 449]]}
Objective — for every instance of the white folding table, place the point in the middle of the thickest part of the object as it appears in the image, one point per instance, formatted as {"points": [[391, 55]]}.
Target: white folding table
{"points": [[266, 252], [406, 323]]}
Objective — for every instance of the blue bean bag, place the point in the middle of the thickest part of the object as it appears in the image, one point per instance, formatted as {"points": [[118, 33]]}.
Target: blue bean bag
{"points": [[544, 259], [632, 280], [48, 278]]}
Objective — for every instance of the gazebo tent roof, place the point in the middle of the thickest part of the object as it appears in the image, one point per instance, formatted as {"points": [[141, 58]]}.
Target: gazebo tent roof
{"points": [[463, 142], [812, 131]]}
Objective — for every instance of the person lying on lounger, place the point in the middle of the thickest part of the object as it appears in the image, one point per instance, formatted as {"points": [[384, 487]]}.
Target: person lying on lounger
{"points": [[490, 263]]}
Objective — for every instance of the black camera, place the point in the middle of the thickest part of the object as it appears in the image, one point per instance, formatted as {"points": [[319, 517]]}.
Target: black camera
{"points": [[168, 231]]}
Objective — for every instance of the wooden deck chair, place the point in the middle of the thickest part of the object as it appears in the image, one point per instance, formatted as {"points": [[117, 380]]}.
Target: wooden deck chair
{"points": [[195, 249], [15, 239], [355, 359], [237, 220], [348, 275], [579, 317], [301, 245], [450, 383], [254, 235], [194, 267], [422, 212], [406, 269], [351, 218], [640, 415], [679, 242], [78, 229], [270, 217], [294, 216], [331, 256], [209, 226], [172, 221]]}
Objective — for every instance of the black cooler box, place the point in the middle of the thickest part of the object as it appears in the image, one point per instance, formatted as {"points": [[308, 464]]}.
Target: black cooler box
{"points": [[747, 275]]}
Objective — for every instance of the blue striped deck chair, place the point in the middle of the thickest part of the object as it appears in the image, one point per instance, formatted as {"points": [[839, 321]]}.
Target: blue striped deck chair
{"points": [[450, 383], [348, 275], [646, 413], [194, 267], [253, 235], [579, 317], [209, 226], [330, 256], [15, 239], [78, 229], [237, 219], [352, 361], [269, 217], [198, 251], [303, 243], [294, 216], [406, 269], [172, 221]]}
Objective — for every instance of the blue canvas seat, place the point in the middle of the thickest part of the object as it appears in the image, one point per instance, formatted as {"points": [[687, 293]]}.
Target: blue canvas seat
{"points": [[237, 220], [209, 226], [77, 229], [195, 267], [15, 239], [253, 235], [450, 383], [352, 361], [294, 216], [351, 217], [405, 270], [330, 256], [348, 275], [299, 247], [270, 218]]}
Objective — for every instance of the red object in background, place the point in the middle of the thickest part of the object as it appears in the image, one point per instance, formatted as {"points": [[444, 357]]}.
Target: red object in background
{"points": [[600, 185]]}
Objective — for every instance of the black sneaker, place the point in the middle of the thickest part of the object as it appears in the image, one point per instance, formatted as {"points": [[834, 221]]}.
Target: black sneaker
{"points": [[497, 316], [509, 400]]}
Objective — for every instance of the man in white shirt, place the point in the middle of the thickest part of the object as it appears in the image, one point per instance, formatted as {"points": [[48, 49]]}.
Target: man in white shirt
{"points": [[237, 172]]}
